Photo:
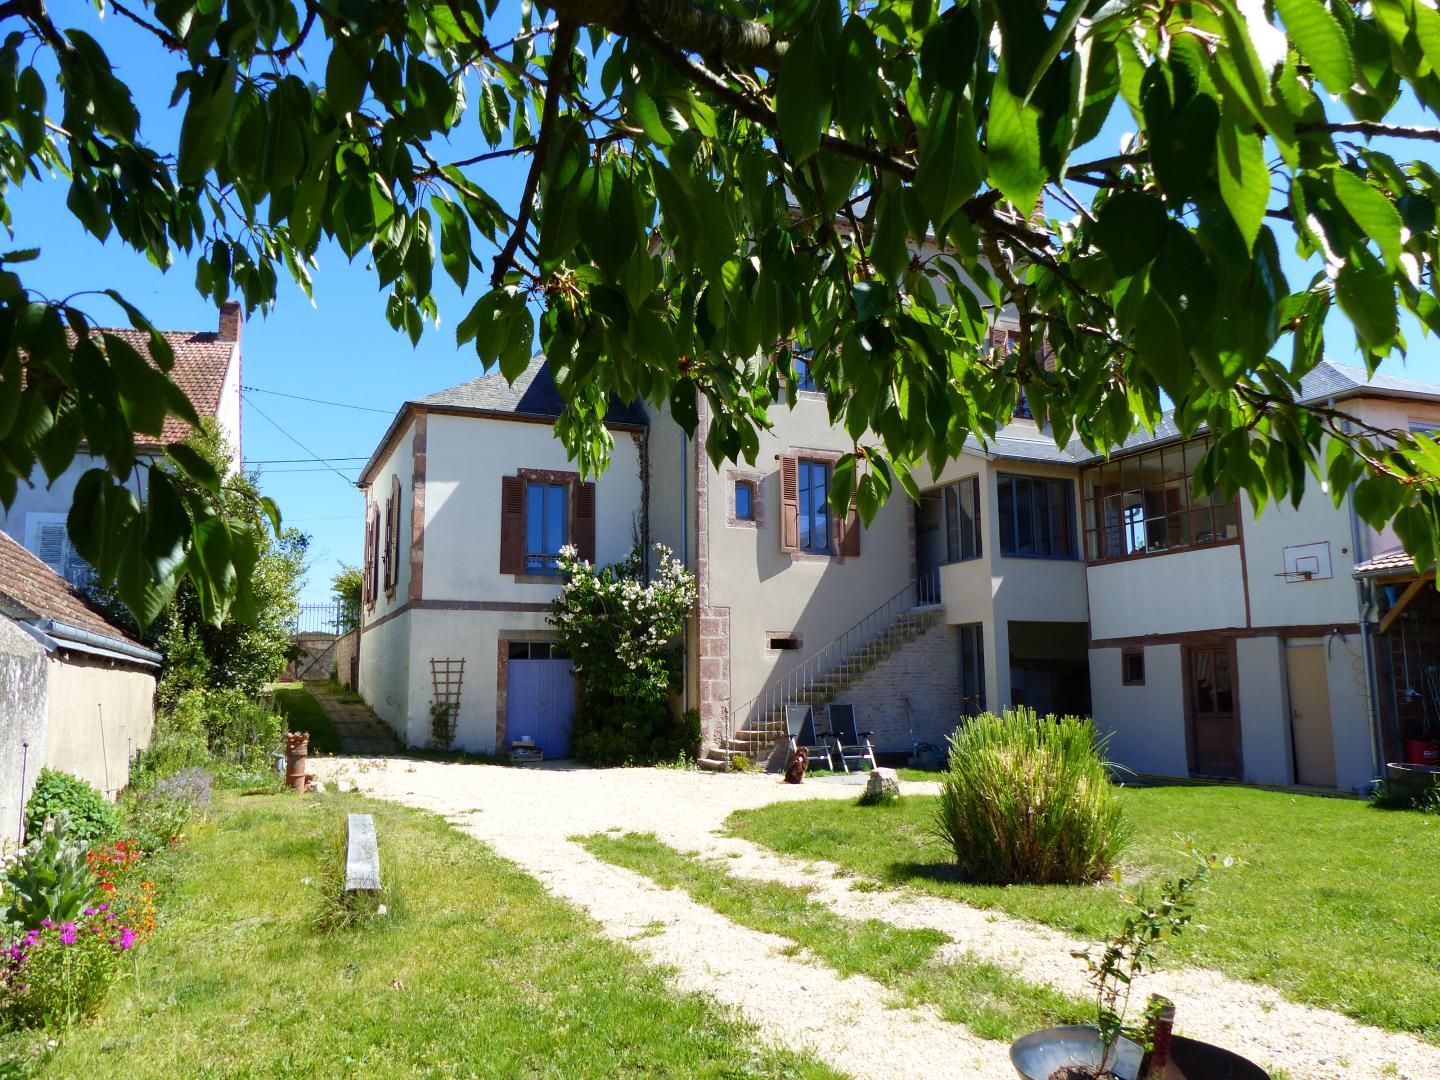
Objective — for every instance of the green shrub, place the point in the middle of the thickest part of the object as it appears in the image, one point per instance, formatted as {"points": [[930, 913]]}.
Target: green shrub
{"points": [[92, 819], [633, 733], [1028, 800], [158, 813], [49, 880], [203, 726]]}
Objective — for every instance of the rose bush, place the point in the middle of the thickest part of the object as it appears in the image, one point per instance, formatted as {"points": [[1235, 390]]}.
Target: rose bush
{"points": [[622, 629]]}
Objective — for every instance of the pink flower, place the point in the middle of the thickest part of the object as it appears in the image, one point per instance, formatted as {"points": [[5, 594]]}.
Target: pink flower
{"points": [[46, 923], [127, 938], [67, 934], [102, 907]]}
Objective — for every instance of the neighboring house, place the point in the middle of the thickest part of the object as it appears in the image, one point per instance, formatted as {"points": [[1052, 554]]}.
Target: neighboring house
{"points": [[76, 691], [207, 369], [468, 499], [1210, 642]]}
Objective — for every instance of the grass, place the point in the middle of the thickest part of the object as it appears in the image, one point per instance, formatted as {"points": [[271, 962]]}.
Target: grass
{"points": [[991, 1001], [484, 975], [1335, 905], [303, 713]]}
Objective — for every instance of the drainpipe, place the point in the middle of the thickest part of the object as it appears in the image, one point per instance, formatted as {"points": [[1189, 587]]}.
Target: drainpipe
{"points": [[1367, 644], [685, 562]]}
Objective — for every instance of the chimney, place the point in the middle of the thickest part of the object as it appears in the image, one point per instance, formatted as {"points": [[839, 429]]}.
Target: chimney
{"points": [[231, 320]]}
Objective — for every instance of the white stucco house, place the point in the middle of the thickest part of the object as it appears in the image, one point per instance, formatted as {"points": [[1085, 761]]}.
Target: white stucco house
{"points": [[76, 691], [1209, 641], [207, 369]]}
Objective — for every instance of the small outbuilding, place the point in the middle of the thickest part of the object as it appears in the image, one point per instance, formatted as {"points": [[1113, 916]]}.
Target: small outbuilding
{"points": [[77, 692]]}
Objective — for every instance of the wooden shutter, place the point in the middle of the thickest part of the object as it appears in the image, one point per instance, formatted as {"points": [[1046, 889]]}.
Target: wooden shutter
{"points": [[789, 502], [365, 564], [392, 537], [850, 531], [388, 552], [512, 525], [584, 531], [51, 545]]}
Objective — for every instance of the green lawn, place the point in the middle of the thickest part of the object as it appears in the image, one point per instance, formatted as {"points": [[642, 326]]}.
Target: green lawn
{"points": [[990, 1000], [483, 974], [1338, 904], [303, 713]]}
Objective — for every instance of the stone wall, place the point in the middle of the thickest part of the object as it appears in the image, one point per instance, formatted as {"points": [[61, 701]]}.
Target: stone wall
{"points": [[927, 671], [23, 707], [346, 647]]}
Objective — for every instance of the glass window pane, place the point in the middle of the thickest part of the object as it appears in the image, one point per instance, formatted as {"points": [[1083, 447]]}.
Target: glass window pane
{"points": [[820, 532], [557, 497], [744, 501], [1226, 527], [1060, 545], [539, 650], [519, 650], [970, 518], [1007, 515], [952, 524], [1202, 527], [534, 517]]}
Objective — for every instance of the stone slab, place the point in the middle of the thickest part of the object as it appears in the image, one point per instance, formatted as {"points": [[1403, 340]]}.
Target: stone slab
{"points": [[362, 854]]}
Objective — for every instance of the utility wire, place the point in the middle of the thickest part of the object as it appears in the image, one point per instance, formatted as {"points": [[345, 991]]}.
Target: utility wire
{"points": [[302, 446], [316, 401], [302, 460]]}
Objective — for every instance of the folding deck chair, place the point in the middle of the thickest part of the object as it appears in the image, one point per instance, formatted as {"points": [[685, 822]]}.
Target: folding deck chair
{"points": [[852, 747], [800, 721]]}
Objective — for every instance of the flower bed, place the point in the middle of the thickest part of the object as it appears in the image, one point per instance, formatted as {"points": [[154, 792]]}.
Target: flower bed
{"points": [[71, 908]]}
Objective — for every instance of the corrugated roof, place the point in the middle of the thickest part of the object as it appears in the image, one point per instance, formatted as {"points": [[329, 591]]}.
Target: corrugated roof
{"points": [[533, 394], [30, 590], [202, 359]]}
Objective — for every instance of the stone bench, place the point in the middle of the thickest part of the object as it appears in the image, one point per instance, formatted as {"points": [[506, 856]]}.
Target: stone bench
{"points": [[362, 855]]}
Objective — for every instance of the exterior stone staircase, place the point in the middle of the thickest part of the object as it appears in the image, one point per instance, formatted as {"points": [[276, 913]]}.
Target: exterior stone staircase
{"points": [[760, 726]]}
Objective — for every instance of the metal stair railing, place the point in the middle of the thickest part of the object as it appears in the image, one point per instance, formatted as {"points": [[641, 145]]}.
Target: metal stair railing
{"points": [[787, 688]]}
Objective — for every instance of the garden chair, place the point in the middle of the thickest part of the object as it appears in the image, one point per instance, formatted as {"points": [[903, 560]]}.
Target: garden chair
{"points": [[852, 747], [800, 721]]}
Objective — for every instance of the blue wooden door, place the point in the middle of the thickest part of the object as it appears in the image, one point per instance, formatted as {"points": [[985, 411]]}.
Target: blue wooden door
{"points": [[540, 702]]}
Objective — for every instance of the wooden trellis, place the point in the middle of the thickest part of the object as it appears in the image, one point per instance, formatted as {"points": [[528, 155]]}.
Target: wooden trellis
{"points": [[446, 677]]}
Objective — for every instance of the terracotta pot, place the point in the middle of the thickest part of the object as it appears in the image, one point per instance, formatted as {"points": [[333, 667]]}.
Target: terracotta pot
{"points": [[297, 749]]}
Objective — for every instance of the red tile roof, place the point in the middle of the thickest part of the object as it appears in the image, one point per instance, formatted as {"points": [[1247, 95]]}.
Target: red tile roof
{"points": [[29, 585], [1390, 562], [201, 360]]}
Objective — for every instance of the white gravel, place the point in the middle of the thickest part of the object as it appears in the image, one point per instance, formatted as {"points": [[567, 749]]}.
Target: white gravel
{"points": [[529, 816]]}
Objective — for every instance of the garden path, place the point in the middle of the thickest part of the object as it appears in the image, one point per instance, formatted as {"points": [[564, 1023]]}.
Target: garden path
{"points": [[530, 815], [359, 730]]}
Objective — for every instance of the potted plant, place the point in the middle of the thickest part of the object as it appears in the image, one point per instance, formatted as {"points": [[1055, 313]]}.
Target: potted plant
{"points": [[1111, 1050]]}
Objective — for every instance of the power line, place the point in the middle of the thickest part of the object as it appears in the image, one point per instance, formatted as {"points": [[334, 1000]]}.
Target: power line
{"points": [[302, 446], [286, 472], [317, 401], [302, 460]]}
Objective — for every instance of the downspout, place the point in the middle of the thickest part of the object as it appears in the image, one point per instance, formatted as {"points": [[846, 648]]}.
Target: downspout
{"points": [[1367, 645], [685, 562]]}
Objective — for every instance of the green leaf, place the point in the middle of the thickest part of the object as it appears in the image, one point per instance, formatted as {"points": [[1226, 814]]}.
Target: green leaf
{"points": [[1366, 295], [454, 241], [950, 168], [1320, 41], [643, 111], [346, 75], [1130, 229], [1244, 179], [1012, 140], [207, 121], [1376, 215], [803, 93]]}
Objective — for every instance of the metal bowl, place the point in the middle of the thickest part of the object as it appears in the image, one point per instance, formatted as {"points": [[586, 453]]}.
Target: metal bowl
{"points": [[1037, 1055]]}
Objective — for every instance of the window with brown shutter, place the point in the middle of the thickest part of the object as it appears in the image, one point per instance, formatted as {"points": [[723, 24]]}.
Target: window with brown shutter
{"points": [[388, 552], [789, 502], [367, 597], [372, 559], [584, 534], [512, 525], [392, 538]]}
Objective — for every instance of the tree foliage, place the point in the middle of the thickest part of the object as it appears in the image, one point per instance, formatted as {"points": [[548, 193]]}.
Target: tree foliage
{"points": [[709, 187], [347, 586], [237, 655]]}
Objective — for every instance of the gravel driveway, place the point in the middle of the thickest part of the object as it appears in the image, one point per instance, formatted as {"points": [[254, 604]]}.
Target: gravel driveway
{"points": [[529, 815]]}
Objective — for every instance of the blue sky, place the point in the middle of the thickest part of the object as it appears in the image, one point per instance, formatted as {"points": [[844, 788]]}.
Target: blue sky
{"points": [[340, 348]]}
